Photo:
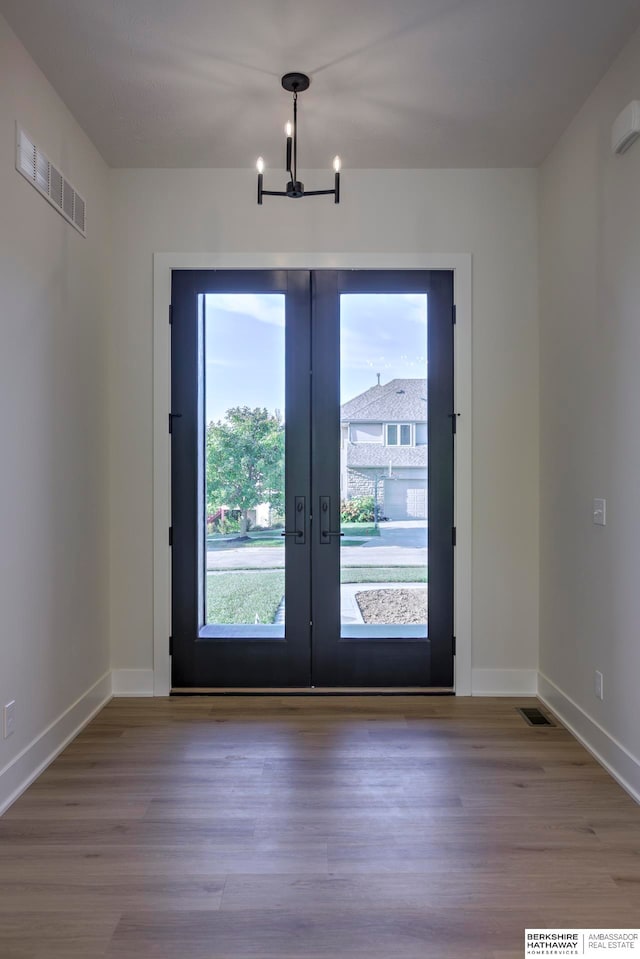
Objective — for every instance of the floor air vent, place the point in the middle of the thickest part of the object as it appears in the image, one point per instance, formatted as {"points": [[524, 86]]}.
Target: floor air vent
{"points": [[35, 167], [534, 716]]}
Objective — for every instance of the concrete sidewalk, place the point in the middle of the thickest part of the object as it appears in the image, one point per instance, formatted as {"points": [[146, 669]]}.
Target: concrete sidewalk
{"points": [[372, 553], [350, 614]]}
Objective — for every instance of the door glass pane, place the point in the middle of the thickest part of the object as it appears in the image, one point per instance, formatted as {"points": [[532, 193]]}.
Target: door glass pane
{"points": [[383, 464], [242, 460]]}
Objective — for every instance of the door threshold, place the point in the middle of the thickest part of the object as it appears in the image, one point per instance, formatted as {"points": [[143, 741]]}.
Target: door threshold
{"points": [[314, 691]]}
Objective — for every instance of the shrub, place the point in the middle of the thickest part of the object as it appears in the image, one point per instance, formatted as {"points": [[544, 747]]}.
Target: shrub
{"points": [[224, 524], [277, 519], [357, 510]]}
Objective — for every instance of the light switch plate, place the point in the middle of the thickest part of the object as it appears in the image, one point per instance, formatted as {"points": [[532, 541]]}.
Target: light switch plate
{"points": [[9, 719], [600, 512], [599, 685]]}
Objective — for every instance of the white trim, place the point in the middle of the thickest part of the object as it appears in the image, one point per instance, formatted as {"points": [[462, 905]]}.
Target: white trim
{"points": [[40, 753], [132, 682], [462, 480], [504, 682], [616, 758], [163, 264]]}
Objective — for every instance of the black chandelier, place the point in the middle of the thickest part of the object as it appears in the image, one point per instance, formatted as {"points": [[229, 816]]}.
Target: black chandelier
{"points": [[295, 83]]}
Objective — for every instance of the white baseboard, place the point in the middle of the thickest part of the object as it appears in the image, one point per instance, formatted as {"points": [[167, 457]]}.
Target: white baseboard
{"points": [[132, 682], [504, 682], [616, 758], [40, 753]]}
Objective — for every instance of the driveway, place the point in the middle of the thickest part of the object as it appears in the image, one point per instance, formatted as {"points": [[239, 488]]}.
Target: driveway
{"points": [[408, 534]]}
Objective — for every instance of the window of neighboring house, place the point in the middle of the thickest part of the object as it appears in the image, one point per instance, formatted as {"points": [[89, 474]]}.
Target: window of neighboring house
{"points": [[366, 433], [398, 434]]}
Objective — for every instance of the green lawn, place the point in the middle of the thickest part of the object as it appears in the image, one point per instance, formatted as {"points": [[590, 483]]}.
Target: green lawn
{"points": [[239, 597], [383, 574], [253, 543], [244, 543], [355, 534], [359, 529]]}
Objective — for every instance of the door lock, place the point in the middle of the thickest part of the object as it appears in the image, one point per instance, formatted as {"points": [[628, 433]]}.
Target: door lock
{"points": [[300, 514], [325, 521]]}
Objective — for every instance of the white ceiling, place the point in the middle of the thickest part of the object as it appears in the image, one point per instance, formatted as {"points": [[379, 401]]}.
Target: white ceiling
{"points": [[394, 83]]}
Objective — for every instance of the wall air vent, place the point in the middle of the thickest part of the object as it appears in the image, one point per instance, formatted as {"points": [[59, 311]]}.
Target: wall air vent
{"points": [[35, 167]]}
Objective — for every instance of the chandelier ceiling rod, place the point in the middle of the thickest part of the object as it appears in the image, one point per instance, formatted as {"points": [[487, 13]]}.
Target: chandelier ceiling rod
{"points": [[296, 83]]}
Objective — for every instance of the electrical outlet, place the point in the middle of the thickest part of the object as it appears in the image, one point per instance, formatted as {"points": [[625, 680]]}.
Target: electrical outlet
{"points": [[9, 719], [599, 687], [600, 512]]}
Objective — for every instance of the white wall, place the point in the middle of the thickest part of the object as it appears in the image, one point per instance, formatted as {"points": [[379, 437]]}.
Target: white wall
{"points": [[53, 479], [590, 411], [491, 214]]}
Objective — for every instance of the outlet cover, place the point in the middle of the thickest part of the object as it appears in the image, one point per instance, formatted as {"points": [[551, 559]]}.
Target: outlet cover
{"points": [[599, 685], [600, 512], [9, 719]]}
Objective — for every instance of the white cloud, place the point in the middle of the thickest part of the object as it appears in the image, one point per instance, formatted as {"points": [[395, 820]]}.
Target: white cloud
{"points": [[384, 333], [264, 307]]}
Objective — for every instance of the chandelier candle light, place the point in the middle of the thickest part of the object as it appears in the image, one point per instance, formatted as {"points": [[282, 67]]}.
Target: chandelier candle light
{"points": [[295, 83]]}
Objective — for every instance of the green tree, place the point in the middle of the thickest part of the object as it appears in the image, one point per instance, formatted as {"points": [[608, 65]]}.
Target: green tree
{"points": [[245, 461]]}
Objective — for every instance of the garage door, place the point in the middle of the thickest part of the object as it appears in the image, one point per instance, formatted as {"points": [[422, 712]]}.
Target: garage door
{"points": [[405, 499]]}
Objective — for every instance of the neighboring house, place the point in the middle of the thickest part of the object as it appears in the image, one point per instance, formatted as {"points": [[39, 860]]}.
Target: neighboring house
{"points": [[383, 448]]}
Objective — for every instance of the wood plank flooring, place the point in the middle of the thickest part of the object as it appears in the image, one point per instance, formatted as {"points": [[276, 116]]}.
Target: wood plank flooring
{"points": [[324, 828]]}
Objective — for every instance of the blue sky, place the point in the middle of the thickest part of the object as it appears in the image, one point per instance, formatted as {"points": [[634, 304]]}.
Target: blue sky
{"points": [[379, 333]]}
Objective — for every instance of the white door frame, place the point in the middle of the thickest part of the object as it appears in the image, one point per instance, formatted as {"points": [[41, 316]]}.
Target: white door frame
{"points": [[163, 264]]}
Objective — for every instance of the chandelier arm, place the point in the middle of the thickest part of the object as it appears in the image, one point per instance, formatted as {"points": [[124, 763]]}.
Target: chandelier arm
{"points": [[289, 166], [294, 176], [288, 160]]}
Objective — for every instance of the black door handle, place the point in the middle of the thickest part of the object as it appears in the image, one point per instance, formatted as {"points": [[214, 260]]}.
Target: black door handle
{"points": [[172, 417], [300, 522], [325, 517]]}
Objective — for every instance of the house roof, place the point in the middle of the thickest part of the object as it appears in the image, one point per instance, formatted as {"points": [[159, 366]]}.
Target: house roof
{"points": [[403, 400], [377, 456]]}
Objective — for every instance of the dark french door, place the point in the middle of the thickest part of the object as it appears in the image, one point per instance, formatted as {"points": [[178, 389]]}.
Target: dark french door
{"points": [[312, 479]]}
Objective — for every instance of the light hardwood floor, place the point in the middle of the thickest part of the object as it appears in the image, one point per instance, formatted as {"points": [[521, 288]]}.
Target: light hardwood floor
{"points": [[324, 828]]}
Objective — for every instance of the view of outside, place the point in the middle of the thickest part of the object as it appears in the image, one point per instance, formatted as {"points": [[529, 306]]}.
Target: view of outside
{"points": [[383, 459], [383, 436], [244, 396]]}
